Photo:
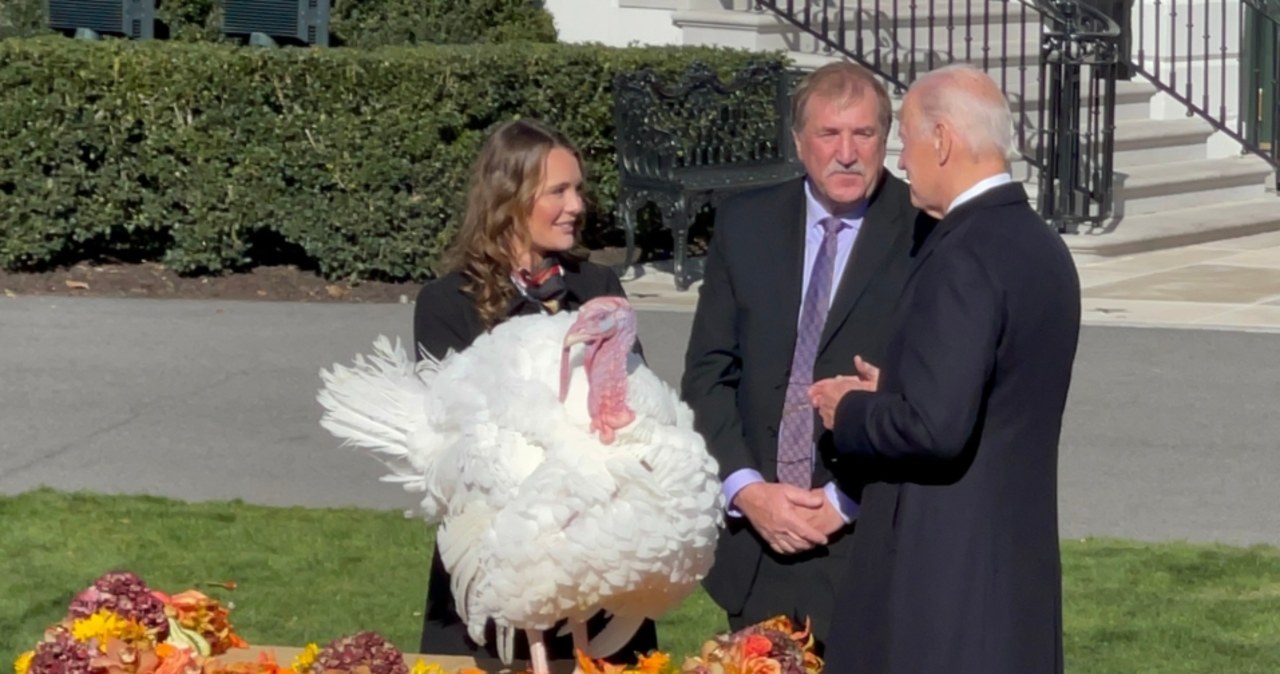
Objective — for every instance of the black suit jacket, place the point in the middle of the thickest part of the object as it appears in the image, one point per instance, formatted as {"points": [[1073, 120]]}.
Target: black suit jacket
{"points": [[446, 318], [739, 356], [955, 563]]}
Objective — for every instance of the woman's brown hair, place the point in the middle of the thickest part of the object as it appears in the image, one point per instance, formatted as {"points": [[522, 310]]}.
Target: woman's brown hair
{"points": [[505, 179]]}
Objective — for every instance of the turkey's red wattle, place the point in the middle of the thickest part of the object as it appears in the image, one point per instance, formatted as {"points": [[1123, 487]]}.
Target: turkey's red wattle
{"points": [[607, 327], [606, 367]]}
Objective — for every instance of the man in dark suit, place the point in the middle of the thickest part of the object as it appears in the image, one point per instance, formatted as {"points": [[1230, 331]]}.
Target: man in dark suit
{"points": [[799, 277], [955, 566]]}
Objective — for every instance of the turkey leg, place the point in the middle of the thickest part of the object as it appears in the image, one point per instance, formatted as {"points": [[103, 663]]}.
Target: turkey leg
{"points": [[537, 652], [580, 644]]}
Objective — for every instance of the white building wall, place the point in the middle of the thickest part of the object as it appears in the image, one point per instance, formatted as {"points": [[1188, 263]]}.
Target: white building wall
{"points": [[616, 23]]}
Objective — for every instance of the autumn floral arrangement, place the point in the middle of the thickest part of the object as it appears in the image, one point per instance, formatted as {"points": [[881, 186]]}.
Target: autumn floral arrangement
{"points": [[775, 646], [119, 625], [654, 663], [362, 653]]}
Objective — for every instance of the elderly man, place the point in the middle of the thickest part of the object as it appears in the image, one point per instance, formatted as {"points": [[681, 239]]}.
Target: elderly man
{"points": [[799, 278], [955, 564]]}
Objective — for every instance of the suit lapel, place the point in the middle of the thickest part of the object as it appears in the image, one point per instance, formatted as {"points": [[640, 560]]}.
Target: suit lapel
{"points": [[882, 224], [788, 248]]}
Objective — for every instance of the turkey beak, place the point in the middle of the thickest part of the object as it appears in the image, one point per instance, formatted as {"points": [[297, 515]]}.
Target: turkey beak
{"points": [[576, 336]]}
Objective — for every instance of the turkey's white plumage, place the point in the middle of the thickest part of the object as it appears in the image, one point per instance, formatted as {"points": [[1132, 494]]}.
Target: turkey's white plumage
{"points": [[539, 520]]}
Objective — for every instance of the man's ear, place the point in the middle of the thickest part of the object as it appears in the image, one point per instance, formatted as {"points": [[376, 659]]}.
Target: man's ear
{"points": [[942, 143]]}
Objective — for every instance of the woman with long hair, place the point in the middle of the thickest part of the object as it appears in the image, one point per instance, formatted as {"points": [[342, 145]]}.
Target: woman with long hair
{"points": [[516, 253]]}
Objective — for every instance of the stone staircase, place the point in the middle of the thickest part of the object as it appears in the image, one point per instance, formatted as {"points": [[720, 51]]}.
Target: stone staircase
{"points": [[1174, 185]]}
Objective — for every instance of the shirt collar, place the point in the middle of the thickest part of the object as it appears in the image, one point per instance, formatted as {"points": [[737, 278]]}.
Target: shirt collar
{"points": [[815, 211], [984, 185]]}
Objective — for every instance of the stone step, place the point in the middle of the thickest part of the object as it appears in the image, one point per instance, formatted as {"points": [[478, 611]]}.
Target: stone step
{"points": [[1143, 142], [1133, 100], [1137, 141], [1210, 220], [1133, 103], [1172, 187], [1181, 227], [1147, 142]]}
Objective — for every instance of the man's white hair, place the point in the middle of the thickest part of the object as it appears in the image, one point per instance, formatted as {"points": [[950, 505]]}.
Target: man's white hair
{"points": [[955, 94]]}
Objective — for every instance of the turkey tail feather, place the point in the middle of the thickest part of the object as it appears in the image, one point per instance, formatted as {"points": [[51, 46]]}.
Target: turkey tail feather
{"points": [[376, 404]]}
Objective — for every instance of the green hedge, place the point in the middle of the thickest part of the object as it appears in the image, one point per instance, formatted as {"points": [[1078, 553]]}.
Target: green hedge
{"points": [[212, 157], [378, 23], [353, 23]]}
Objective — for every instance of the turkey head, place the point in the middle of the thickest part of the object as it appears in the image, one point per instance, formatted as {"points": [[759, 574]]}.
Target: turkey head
{"points": [[607, 326]]}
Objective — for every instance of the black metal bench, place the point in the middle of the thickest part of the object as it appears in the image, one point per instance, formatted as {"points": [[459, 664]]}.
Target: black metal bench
{"points": [[685, 146]]}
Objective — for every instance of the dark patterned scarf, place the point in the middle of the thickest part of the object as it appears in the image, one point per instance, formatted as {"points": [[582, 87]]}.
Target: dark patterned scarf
{"points": [[544, 284]]}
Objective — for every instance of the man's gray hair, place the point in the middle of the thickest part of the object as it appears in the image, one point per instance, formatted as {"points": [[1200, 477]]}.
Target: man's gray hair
{"points": [[955, 93], [841, 81]]}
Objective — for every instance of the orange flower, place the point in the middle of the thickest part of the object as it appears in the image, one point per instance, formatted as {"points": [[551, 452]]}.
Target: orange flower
{"points": [[761, 666], [266, 664], [584, 663], [173, 660], [200, 613], [654, 663]]}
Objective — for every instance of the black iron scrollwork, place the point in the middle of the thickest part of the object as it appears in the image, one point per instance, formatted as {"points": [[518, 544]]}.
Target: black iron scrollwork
{"points": [[699, 122], [1080, 54], [681, 145]]}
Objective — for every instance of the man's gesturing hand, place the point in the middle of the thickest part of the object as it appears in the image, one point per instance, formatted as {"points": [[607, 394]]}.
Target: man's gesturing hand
{"points": [[826, 394]]}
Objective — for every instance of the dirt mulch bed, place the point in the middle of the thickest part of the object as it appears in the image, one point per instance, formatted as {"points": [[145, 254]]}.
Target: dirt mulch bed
{"points": [[149, 280], [270, 283]]}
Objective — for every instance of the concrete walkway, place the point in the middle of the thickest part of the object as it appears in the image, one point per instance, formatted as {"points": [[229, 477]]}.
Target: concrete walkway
{"points": [[1169, 434], [1231, 284]]}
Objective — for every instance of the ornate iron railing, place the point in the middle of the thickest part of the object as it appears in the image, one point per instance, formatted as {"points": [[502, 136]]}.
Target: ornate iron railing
{"points": [[1079, 66], [1056, 60], [1190, 49]]}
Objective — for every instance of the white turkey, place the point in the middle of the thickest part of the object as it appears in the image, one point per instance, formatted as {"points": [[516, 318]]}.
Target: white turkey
{"points": [[565, 476]]}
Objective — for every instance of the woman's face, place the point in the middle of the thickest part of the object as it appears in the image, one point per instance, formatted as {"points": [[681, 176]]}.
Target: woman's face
{"points": [[557, 206]]}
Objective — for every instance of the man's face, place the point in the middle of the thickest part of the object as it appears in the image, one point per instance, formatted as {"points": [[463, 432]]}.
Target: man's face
{"points": [[919, 156], [843, 148]]}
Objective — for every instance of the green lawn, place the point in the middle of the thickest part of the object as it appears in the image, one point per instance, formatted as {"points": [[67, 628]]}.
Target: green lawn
{"points": [[312, 575]]}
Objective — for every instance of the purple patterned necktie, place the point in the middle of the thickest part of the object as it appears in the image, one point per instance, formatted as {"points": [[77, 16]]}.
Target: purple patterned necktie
{"points": [[799, 419]]}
